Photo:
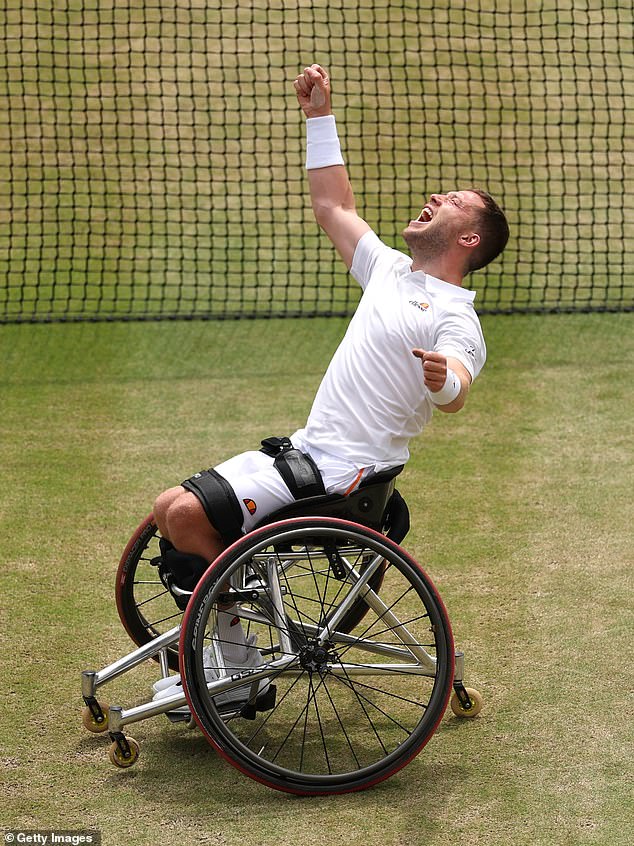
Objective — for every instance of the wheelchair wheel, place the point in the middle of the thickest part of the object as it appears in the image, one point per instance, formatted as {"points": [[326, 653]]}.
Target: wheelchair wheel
{"points": [[344, 709], [145, 606]]}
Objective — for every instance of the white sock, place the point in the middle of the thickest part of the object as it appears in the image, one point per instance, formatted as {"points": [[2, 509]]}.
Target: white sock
{"points": [[233, 641]]}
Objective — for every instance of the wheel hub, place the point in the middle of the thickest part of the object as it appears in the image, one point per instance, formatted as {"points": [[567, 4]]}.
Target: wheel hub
{"points": [[314, 657]]}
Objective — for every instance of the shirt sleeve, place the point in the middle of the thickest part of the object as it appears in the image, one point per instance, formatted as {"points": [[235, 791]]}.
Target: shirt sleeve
{"points": [[459, 336], [368, 253]]}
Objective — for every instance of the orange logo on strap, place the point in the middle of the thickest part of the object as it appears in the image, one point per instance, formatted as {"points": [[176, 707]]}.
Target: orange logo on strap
{"points": [[250, 506]]}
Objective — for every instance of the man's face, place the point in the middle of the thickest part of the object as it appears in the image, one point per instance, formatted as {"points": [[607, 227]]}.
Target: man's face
{"points": [[443, 219]]}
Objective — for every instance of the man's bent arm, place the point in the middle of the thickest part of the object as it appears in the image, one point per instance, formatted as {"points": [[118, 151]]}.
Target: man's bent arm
{"points": [[435, 366], [330, 190]]}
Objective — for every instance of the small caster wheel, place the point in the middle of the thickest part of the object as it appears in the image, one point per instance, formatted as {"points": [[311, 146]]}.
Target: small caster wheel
{"points": [[91, 723], [476, 704], [118, 758]]}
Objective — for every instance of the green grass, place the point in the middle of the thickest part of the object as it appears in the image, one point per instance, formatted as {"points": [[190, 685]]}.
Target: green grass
{"points": [[522, 515]]}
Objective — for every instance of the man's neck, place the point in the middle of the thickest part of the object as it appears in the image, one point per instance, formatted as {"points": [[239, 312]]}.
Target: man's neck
{"points": [[439, 267]]}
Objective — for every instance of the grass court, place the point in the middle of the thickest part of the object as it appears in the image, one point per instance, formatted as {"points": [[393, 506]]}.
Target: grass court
{"points": [[521, 513]]}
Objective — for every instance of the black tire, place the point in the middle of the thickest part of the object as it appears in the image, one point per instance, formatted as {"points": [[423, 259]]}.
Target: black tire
{"points": [[145, 606], [351, 708]]}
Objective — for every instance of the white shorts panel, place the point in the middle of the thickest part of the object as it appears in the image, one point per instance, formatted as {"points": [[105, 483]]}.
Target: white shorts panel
{"points": [[261, 490], [257, 484]]}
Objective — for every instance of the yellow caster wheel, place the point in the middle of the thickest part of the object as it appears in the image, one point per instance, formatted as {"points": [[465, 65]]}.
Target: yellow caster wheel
{"points": [[118, 758], [476, 704], [89, 721]]}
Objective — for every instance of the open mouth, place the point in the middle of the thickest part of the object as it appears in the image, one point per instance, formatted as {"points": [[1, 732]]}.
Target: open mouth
{"points": [[424, 217]]}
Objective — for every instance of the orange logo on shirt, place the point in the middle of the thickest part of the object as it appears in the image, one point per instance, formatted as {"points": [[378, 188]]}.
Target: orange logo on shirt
{"points": [[250, 506], [421, 306]]}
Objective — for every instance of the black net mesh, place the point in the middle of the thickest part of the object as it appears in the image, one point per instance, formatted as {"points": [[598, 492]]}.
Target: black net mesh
{"points": [[152, 152]]}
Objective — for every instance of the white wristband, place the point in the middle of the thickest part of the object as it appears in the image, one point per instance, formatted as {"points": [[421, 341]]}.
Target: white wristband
{"points": [[449, 390], [322, 143]]}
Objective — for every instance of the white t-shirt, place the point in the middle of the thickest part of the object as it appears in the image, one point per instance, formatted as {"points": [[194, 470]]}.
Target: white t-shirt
{"points": [[372, 398]]}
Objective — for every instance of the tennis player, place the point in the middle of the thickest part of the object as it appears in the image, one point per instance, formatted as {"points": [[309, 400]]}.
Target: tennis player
{"points": [[414, 344]]}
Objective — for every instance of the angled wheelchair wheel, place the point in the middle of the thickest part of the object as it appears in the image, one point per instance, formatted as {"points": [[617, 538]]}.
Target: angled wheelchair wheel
{"points": [[330, 709], [145, 607]]}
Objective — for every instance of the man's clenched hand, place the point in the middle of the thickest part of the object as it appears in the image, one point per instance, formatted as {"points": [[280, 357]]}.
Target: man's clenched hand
{"points": [[313, 91]]}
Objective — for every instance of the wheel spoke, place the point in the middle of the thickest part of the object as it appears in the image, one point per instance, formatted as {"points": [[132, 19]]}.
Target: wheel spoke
{"points": [[151, 598], [342, 726], [354, 685]]}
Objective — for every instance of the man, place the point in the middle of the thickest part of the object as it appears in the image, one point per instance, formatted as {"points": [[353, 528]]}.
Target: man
{"points": [[414, 344]]}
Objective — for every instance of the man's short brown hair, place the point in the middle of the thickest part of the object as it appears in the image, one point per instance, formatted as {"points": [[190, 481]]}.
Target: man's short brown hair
{"points": [[493, 229]]}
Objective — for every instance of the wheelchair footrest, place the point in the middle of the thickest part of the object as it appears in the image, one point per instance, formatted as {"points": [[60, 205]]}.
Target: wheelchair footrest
{"points": [[263, 703], [182, 716], [248, 711]]}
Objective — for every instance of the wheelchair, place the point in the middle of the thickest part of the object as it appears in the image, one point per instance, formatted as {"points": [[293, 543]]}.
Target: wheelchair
{"points": [[358, 661]]}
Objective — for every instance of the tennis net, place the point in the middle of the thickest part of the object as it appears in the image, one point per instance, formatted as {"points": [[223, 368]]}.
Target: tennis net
{"points": [[152, 152]]}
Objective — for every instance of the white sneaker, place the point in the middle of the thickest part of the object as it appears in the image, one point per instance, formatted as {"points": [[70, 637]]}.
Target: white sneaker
{"points": [[163, 684], [253, 660], [170, 681]]}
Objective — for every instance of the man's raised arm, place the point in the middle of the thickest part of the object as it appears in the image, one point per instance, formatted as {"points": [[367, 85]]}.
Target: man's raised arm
{"points": [[330, 189]]}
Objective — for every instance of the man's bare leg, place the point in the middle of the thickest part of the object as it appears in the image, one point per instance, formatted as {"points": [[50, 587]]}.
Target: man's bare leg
{"points": [[181, 519]]}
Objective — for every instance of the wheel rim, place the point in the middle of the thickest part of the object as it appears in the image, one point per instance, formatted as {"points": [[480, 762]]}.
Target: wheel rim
{"points": [[145, 606], [353, 706]]}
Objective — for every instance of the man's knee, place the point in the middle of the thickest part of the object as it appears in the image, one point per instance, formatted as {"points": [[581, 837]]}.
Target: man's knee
{"points": [[205, 505], [164, 501], [185, 514]]}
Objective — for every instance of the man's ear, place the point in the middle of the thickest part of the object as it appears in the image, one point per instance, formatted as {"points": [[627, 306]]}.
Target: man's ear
{"points": [[471, 239]]}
